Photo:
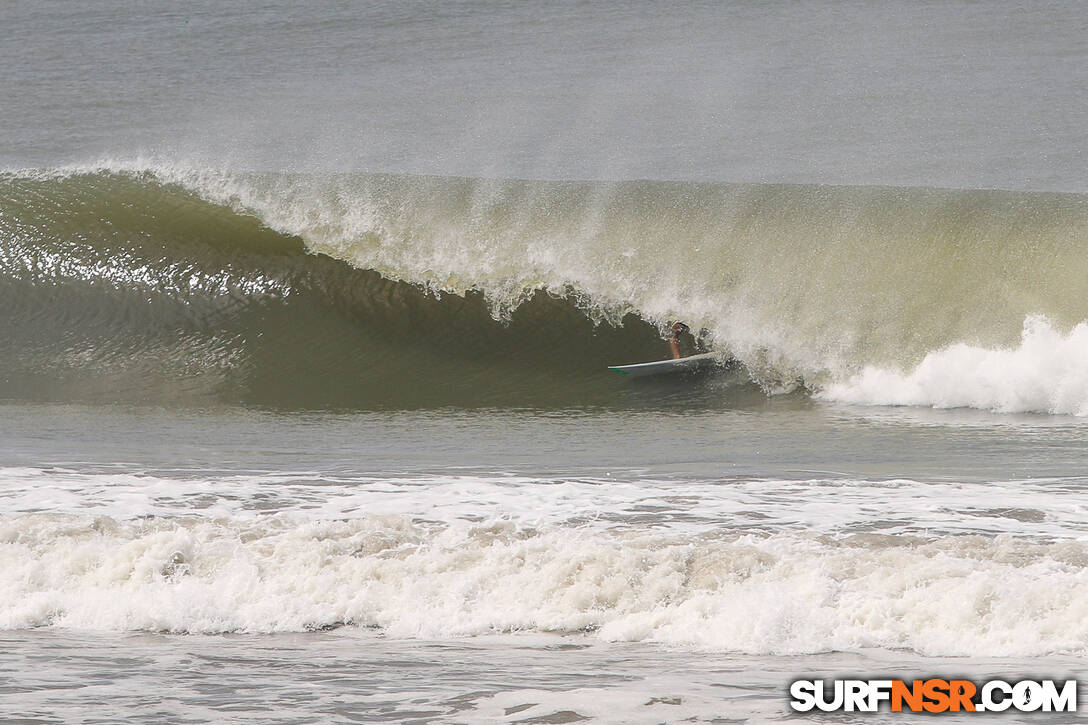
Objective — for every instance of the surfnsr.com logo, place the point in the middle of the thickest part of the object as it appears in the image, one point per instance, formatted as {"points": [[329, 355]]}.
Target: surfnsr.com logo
{"points": [[934, 695]]}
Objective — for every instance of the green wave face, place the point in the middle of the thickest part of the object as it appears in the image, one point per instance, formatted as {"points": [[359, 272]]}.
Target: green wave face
{"points": [[193, 287]]}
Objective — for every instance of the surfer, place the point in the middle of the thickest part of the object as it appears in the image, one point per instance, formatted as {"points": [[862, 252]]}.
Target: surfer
{"points": [[679, 363], [678, 328]]}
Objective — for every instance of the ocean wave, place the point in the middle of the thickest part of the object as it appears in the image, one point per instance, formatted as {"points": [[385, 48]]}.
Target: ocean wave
{"points": [[300, 288], [945, 596]]}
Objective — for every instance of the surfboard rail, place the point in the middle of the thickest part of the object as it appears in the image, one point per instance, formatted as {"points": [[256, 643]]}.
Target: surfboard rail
{"points": [[687, 364]]}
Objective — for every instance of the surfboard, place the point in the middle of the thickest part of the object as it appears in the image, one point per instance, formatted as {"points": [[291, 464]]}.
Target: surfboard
{"points": [[668, 367]]}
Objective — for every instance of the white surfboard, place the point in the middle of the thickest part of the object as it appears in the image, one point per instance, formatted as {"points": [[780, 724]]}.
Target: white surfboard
{"points": [[668, 367]]}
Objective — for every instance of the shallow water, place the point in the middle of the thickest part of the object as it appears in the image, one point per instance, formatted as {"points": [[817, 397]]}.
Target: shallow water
{"points": [[502, 566], [362, 677]]}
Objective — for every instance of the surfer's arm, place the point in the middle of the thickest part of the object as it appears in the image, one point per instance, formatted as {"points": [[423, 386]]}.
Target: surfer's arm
{"points": [[674, 339]]}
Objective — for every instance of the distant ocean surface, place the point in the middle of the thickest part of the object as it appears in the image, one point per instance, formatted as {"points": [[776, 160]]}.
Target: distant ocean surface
{"points": [[305, 319]]}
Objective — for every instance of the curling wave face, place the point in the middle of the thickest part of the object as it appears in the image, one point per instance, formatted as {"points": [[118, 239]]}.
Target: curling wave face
{"points": [[157, 282]]}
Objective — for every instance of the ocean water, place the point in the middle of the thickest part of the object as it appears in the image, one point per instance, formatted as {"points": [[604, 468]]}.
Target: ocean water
{"points": [[305, 319]]}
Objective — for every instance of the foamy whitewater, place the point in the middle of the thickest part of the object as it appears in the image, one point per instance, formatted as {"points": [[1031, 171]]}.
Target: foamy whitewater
{"points": [[775, 595], [297, 553], [306, 315], [491, 546], [1044, 374]]}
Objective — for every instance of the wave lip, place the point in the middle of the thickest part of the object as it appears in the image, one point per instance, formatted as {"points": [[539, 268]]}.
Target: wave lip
{"points": [[1046, 373]]}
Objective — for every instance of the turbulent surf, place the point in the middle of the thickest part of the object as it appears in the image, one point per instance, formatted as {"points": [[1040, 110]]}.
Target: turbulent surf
{"points": [[162, 283]]}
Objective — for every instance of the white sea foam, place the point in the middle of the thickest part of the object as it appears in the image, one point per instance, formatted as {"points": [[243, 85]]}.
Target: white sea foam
{"points": [[779, 594], [1039, 508], [1046, 373]]}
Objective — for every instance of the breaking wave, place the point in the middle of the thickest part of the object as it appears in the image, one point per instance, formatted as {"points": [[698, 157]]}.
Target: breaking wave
{"points": [[1046, 373], [780, 594], [163, 283]]}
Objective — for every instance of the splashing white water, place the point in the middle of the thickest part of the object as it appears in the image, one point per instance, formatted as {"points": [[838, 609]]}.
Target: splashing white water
{"points": [[779, 594], [1047, 373]]}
